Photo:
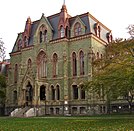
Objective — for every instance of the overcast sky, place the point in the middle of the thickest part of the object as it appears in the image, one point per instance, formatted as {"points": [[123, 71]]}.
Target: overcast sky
{"points": [[115, 14]]}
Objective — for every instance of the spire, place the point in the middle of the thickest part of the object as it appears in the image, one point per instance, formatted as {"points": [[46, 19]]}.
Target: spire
{"points": [[28, 26], [64, 2], [63, 19]]}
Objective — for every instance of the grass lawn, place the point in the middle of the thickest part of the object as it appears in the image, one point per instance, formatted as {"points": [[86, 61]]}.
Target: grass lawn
{"points": [[100, 123]]}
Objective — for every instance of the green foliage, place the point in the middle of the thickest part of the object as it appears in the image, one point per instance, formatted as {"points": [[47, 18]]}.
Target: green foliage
{"points": [[2, 89], [115, 72], [2, 50]]}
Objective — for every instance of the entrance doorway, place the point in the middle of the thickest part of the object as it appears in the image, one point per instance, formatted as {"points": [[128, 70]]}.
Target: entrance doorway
{"points": [[29, 94]]}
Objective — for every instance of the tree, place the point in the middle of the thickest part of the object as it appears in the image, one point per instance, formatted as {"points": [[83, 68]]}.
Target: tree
{"points": [[2, 50], [131, 30], [114, 74], [2, 89]]}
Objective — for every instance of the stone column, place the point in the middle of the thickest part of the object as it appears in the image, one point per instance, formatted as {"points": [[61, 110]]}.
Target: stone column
{"points": [[90, 60]]}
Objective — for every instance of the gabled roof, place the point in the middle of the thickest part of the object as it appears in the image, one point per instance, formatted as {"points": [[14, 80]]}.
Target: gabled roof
{"points": [[43, 17], [54, 20], [83, 18], [86, 19]]}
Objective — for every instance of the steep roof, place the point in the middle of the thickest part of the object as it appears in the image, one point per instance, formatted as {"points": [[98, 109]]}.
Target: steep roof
{"points": [[53, 22]]}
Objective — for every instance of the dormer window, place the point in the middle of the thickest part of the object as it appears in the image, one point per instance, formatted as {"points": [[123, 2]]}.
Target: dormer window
{"points": [[77, 29], [97, 29], [109, 37], [43, 34], [19, 44], [62, 32], [25, 41]]}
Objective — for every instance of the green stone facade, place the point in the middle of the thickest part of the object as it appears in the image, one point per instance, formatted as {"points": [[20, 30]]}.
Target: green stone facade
{"points": [[28, 76]]}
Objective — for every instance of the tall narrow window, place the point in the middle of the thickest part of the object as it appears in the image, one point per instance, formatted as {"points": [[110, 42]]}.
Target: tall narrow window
{"points": [[16, 73], [77, 29], [42, 92], [45, 35], [25, 41], [67, 32], [42, 64], [58, 92], [75, 92], [53, 92], [74, 64], [40, 36], [29, 63], [97, 29], [109, 37], [14, 96], [55, 65], [82, 92], [62, 32], [19, 44], [81, 55]]}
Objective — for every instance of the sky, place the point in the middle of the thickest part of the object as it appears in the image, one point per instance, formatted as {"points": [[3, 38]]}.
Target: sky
{"points": [[115, 14]]}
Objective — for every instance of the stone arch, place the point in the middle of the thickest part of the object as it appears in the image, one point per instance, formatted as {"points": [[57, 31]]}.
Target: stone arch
{"points": [[28, 92], [52, 90], [42, 33], [74, 88], [74, 63], [42, 64], [57, 91], [42, 92]]}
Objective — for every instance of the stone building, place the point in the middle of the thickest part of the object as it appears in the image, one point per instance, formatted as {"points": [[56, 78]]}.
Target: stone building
{"points": [[51, 59]]}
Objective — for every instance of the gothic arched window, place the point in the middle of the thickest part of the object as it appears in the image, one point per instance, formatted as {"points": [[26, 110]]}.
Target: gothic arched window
{"points": [[82, 92], [42, 64], [14, 96], [25, 41], [53, 92], [16, 73], [109, 37], [19, 44], [62, 32], [81, 55], [42, 34], [67, 32], [45, 35], [74, 60], [97, 29], [75, 92], [77, 29], [57, 92], [55, 65], [42, 92], [29, 63]]}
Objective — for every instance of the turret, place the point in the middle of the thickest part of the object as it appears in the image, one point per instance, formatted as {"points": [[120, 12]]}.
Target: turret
{"points": [[63, 25], [28, 27]]}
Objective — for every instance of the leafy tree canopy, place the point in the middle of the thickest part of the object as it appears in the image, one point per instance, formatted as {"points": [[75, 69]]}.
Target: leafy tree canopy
{"points": [[2, 89], [2, 50], [113, 75]]}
